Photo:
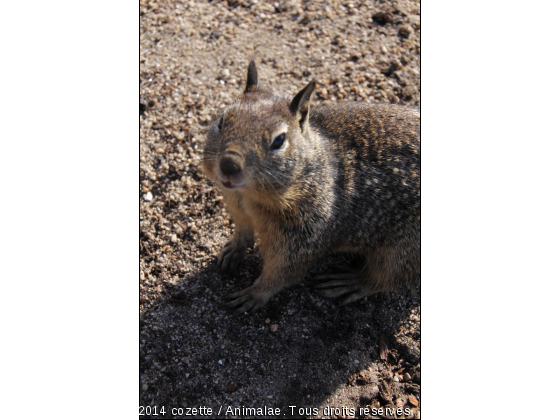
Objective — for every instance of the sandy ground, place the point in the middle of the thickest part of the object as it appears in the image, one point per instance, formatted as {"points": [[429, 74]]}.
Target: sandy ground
{"points": [[301, 350]]}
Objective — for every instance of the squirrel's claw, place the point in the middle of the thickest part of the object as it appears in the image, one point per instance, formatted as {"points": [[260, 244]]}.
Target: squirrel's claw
{"points": [[353, 298], [340, 285], [349, 285], [246, 301]]}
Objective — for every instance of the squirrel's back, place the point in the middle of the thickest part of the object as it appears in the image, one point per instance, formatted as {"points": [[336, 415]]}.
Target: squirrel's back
{"points": [[374, 154]]}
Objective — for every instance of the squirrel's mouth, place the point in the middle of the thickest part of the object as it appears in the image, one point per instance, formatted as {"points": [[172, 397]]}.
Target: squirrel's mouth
{"points": [[230, 184]]}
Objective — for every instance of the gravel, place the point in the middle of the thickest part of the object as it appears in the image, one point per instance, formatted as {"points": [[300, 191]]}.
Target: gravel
{"points": [[301, 350]]}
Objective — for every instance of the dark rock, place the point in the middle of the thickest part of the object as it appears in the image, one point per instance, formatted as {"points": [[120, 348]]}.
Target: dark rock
{"points": [[383, 18]]}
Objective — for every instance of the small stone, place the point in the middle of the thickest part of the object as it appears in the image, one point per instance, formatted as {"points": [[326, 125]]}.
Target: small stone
{"points": [[160, 150], [396, 378], [145, 387], [405, 31], [179, 135], [382, 18], [148, 196], [267, 321], [173, 238], [412, 400], [184, 360], [273, 328], [407, 377]]}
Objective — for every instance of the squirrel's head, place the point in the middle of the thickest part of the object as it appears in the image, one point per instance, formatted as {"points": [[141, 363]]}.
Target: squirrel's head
{"points": [[257, 142]]}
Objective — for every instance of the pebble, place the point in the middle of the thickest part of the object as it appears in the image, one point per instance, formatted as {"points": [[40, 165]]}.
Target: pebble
{"points": [[173, 238], [148, 196], [382, 18], [405, 30], [145, 387], [273, 328]]}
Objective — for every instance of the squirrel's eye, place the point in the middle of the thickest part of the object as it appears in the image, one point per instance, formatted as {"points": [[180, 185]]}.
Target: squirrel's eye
{"points": [[278, 142], [221, 123]]}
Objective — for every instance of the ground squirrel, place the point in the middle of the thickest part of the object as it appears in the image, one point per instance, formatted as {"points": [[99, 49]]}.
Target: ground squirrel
{"points": [[311, 180]]}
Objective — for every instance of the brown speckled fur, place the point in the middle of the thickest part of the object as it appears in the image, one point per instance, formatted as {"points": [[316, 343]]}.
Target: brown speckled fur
{"points": [[348, 179]]}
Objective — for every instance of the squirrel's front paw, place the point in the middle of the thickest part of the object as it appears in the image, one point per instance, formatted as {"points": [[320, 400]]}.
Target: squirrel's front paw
{"points": [[231, 256], [249, 299]]}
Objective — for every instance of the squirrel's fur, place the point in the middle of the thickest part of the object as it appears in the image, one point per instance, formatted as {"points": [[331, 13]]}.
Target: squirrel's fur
{"points": [[345, 177]]}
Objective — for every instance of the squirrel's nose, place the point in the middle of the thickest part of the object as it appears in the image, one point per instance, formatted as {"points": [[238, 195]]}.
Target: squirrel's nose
{"points": [[231, 165]]}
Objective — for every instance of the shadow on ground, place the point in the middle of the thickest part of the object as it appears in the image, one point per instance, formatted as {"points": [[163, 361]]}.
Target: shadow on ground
{"points": [[300, 350]]}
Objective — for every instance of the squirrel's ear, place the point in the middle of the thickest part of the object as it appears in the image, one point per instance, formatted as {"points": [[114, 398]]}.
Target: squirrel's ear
{"points": [[252, 77], [300, 104]]}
